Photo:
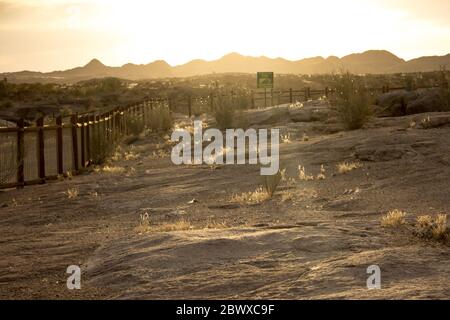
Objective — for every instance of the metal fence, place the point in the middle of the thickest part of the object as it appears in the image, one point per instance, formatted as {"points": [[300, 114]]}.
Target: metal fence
{"points": [[35, 153]]}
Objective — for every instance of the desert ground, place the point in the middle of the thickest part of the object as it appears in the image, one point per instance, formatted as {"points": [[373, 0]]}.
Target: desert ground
{"points": [[313, 240]]}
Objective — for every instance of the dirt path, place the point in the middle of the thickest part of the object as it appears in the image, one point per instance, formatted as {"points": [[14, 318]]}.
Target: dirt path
{"points": [[317, 244]]}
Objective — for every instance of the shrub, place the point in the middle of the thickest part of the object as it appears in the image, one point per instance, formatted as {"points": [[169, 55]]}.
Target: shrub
{"points": [[353, 102], [271, 183], [159, 119], [393, 218], [432, 228], [101, 148], [345, 167], [224, 112], [135, 125]]}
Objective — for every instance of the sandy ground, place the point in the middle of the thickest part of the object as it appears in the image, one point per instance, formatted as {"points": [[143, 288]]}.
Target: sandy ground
{"points": [[318, 244]]}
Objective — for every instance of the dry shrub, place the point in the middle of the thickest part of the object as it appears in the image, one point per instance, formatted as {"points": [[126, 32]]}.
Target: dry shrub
{"points": [[393, 218], [345, 167], [112, 169], [271, 183], [72, 193], [302, 174], [180, 225], [252, 197], [159, 119], [321, 175], [432, 228], [145, 225]]}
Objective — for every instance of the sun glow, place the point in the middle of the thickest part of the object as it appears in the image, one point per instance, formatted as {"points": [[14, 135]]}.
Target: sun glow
{"points": [[61, 34]]}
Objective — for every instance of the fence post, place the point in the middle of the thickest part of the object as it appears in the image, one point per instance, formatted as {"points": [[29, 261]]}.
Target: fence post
{"points": [[290, 96], [59, 145], [40, 149], [271, 97], [326, 92], [265, 98], [83, 142], [211, 101], [74, 121], [88, 139], [20, 153], [190, 106], [307, 93]]}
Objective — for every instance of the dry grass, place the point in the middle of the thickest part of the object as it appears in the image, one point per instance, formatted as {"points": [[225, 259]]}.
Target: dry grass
{"points": [[145, 225], [432, 228], [216, 224], [72, 193], [345, 167], [393, 218], [286, 138], [110, 169], [252, 197], [302, 174], [321, 175]]}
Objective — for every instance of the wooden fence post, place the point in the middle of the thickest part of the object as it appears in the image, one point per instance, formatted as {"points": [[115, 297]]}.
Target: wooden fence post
{"points": [[20, 153], [40, 149], [74, 121], [83, 142], [326, 92], [291, 100], [59, 145]]}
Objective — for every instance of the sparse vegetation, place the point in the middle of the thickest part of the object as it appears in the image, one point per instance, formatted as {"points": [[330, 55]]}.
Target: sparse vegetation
{"points": [[159, 119], [429, 227], [393, 218], [111, 169], [271, 183], [353, 101], [101, 149], [302, 175], [72, 193], [252, 197], [345, 167], [224, 112], [135, 125]]}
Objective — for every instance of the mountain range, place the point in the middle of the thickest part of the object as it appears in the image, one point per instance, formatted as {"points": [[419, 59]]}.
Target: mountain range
{"points": [[372, 61]]}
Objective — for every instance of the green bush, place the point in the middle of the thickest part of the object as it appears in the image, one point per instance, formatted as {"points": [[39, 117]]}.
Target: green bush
{"points": [[353, 101], [224, 112], [101, 148], [135, 124], [159, 119]]}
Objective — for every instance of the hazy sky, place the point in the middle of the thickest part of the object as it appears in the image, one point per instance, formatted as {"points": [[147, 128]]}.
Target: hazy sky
{"points": [[59, 34]]}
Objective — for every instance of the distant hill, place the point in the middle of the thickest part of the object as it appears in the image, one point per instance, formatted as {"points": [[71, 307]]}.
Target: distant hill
{"points": [[373, 61]]}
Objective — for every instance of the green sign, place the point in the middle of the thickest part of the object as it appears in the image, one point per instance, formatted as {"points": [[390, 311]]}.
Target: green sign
{"points": [[264, 80]]}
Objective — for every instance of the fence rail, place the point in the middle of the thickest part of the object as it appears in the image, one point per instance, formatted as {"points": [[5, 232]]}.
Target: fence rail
{"points": [[33, 154]]}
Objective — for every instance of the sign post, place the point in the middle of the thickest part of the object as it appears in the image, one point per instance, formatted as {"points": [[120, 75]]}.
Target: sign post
{"points": [[264, 80]]}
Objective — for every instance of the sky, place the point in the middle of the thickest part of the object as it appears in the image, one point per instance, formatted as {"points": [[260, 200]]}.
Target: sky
{"points": [[46, 35]]}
